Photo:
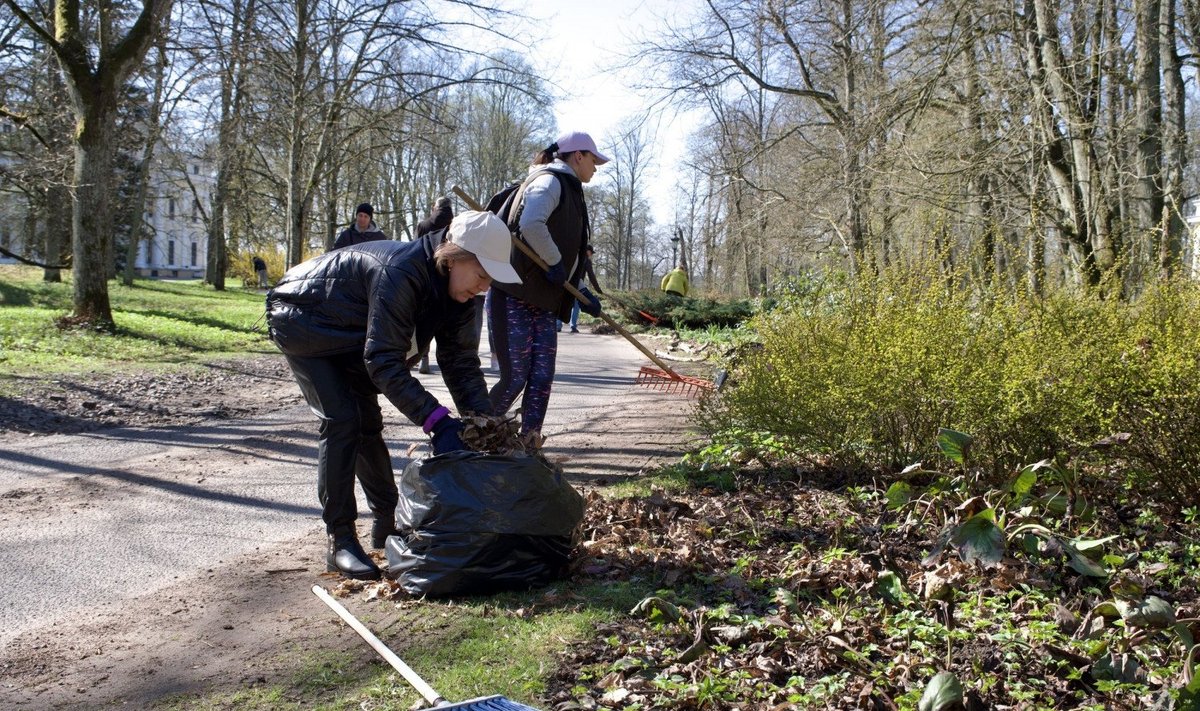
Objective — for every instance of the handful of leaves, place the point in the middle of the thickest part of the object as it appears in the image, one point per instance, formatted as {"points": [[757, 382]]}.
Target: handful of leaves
{"points": [[497, 434]]}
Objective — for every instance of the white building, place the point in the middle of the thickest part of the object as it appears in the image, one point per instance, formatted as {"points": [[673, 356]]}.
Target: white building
{"points": [[1191, 220], [177, 246], [176, 204]]}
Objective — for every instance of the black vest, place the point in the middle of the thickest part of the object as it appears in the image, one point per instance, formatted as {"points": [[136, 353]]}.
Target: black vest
{"points": [[568, 226]]}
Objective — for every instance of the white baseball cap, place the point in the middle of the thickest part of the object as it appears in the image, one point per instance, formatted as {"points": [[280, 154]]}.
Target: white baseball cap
{"points": [[580, 141], [487, 237]]}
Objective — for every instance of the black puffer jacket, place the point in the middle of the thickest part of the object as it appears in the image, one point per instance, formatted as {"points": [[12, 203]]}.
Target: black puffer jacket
{"points": [[376, 298]]}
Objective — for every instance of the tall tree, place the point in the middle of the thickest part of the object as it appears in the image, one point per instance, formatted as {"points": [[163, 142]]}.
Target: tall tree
{"points": [[37, 170], [227, 28], [96, 59]]}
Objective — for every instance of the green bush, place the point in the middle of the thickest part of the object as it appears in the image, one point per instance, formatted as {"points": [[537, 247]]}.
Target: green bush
{"points": [[687, 312], [864, 373]]}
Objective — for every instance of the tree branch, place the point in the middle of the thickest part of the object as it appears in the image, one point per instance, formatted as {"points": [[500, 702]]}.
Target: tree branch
{"points": [[23, 121], [25, 260]]}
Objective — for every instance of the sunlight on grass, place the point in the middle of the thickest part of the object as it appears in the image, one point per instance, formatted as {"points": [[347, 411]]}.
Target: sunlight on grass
{"points": [[158, 323]]}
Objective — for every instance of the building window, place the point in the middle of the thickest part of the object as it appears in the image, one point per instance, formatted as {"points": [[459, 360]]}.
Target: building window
{"points": [[195, 251], [170, 251], [195, 211], [171, 208], [195, 170]]}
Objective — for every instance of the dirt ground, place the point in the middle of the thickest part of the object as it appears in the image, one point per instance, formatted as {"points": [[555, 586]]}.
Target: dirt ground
{"points": [[251, 622]]}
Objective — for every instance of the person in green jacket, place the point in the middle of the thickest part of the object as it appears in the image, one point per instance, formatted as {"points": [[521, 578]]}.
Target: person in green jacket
{"points": [[675, 282]]}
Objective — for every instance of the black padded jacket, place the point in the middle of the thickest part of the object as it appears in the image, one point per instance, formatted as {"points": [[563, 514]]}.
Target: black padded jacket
{"points": [[377, 298]]}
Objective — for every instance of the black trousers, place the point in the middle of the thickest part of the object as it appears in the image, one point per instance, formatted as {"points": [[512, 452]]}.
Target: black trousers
{"points": [[350, 441]]}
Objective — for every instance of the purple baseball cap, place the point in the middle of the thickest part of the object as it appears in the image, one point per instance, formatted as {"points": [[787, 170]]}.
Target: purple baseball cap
{"points": [[580, 141]]}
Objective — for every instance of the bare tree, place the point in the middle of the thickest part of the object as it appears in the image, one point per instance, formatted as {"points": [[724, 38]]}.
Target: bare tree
{"points": [[627, 212], [38, 169], [96, 60], [226, 27]]}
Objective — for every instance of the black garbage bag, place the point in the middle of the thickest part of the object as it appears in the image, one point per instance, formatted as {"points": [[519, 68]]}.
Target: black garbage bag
{"points": [[474, 523]]}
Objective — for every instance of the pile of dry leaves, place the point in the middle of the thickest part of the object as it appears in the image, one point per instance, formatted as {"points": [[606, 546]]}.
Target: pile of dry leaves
{"points": [[780, 595]]}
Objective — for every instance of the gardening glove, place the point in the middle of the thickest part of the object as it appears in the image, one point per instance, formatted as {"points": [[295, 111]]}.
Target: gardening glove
{"points": [[446, 435], [557, 274], [590, 305]]}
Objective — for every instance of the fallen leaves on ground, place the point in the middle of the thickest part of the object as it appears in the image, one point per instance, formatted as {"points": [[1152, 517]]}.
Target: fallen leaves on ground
{"points": [[784, 595]]}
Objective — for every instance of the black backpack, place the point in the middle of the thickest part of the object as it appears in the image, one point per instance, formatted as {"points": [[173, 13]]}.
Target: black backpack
{"points": [[501, 203]]}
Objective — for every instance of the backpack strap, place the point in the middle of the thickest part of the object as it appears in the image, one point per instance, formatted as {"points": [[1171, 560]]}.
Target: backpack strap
{"points": [[514, 219]]}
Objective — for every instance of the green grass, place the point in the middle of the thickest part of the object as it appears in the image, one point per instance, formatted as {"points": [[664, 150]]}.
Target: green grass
{"points": [[159, 324], [505, 644]]}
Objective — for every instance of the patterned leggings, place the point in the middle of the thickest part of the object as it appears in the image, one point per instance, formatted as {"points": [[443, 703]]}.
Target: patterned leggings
{"points": [[524, 340]]}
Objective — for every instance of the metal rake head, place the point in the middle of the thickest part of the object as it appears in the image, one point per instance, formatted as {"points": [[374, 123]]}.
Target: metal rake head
{"points": [[662, 380]]}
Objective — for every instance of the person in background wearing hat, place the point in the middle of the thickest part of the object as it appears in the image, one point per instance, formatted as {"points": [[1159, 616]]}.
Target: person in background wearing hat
{"points": [[344, 321], [550, 215], [363, 229]]}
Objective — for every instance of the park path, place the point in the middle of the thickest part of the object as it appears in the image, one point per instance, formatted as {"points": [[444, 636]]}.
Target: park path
{"points": [[190, 532]]}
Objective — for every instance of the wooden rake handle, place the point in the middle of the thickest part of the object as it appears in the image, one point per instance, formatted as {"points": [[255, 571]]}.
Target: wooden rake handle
{"points": [[382, 649], [541, 263]]}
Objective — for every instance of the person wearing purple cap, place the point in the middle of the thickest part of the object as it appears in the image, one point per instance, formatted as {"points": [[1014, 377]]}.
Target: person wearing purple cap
{"points": [[345, 320], [550, 215]]}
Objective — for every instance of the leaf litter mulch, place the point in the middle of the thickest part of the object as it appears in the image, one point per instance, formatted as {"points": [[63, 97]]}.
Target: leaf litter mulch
{"points": [[780, 594], [771, 593]]}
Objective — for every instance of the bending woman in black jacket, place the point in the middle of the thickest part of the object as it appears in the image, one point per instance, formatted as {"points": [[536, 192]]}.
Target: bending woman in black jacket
{"points": [[345, 321]]}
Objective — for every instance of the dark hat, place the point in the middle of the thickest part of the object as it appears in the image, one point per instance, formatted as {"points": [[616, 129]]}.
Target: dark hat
{"points": [[365, 207]]}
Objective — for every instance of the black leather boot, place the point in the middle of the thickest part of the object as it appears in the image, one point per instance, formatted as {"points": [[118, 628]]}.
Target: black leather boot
{"points": [[381, 529], [346, 556]]}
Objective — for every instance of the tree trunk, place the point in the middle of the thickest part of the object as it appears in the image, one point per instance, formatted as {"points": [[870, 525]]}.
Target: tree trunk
{"points": [[58, 232], [95, 77], [153, 131], [1147, 204], [92, 219], [1069, 156], [1174, 142], [233, 81]]}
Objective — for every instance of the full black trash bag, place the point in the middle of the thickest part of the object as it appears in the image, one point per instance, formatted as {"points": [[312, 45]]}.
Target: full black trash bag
{"points": [[477, 523]]}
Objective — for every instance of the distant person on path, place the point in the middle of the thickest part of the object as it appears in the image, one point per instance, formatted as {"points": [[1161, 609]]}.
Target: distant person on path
{"points": [[260, 268], [345, 320], [550, 215], [363, 229], [591, 276], [675, 282], [439, 219]]}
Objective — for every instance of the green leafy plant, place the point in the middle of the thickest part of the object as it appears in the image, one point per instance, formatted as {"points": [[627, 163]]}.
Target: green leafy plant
{"points": [[867, 372], [943, 692]]}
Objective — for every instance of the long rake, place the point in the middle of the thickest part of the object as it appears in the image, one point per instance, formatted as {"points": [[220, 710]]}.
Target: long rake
{"points": [[483, 703], [661, 378]]}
